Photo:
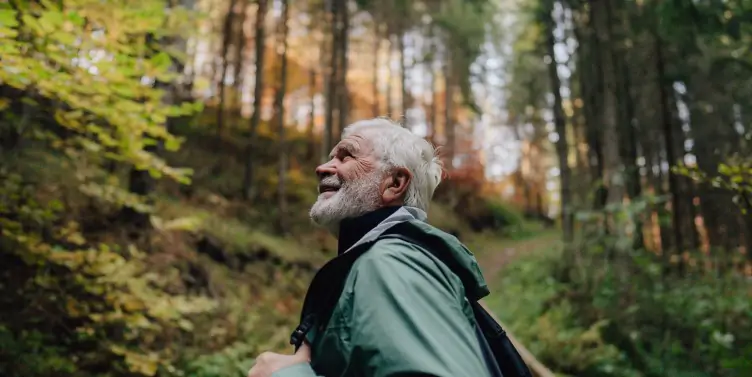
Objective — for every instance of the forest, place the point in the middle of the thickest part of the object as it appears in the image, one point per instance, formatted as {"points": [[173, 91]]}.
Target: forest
{"points": [[157, 157]]}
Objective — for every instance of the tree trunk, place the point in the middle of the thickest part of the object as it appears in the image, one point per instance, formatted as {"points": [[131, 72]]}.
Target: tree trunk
{"points": [[226, 39], [239, 60], [449, 113], [343, 92], [389, 74], [628, 145], [562, 150], [406, 98], [331, 87], [611, 160], [280, 115], [434, 99], [311, 150], [247, 191], [376, 45], [589, 82], [668, 136]]}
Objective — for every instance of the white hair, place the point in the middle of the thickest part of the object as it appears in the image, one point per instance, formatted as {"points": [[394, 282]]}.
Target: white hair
{"points": [[397, 147]]}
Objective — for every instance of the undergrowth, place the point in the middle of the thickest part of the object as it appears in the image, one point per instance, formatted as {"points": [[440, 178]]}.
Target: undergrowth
{"points": [[624, 315]]}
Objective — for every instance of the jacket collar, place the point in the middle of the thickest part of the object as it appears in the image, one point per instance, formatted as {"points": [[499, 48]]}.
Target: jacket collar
{"points": [[368, 227]]}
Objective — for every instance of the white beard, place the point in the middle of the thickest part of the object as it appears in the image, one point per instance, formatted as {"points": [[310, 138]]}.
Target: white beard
{"points": [[353, 199]]}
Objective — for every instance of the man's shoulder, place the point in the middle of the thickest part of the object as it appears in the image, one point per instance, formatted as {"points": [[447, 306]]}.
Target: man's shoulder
{"points": [[390, 250], [394, 253]]}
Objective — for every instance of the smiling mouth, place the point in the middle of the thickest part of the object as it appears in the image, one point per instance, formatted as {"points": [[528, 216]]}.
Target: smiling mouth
{"points": [[323, 189]]}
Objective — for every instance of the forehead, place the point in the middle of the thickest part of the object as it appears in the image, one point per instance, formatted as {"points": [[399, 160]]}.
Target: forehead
{"points": [[355, 143]]}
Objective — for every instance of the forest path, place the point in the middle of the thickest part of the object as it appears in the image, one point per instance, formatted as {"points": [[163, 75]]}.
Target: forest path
{"points": [[493, 257]]}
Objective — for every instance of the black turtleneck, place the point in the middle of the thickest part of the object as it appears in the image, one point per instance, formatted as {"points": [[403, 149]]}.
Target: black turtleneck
{"points": [[352, 230]]}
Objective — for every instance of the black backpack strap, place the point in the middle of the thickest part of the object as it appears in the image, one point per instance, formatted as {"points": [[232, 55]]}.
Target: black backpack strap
{"points": [[324, 291], [507, 358]]}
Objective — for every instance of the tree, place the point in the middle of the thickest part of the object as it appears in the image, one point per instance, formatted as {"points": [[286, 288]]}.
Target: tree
{"points": [[258, 93], [283, 32]]}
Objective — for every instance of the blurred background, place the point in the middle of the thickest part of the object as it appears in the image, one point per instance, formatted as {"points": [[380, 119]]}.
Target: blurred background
{"points": [[156, 170]]}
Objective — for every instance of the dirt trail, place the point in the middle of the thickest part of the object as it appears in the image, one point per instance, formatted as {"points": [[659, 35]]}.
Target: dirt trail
{"points": [[496, 255], [492, 258]]}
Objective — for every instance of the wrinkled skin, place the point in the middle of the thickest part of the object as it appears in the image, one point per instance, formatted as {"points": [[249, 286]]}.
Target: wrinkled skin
{"points": [[354, 182]]}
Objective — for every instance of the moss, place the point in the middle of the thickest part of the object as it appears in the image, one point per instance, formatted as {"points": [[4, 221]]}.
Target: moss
{"points": [[238, 237]]}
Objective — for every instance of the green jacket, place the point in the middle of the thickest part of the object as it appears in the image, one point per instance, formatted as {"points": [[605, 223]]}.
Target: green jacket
{"points": [[402, 312]]}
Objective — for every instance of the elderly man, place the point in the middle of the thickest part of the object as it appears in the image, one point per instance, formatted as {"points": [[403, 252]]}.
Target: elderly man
{"points": [[400, 310]]}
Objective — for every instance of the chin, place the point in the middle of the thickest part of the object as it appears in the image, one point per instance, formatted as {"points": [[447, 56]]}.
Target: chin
{"points": [[332, 226]]}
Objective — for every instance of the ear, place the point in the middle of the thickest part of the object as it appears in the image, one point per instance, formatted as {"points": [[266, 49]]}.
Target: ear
{"points": [[396, 187]]}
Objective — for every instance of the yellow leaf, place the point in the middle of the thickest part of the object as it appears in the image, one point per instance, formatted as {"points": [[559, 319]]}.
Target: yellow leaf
{"points": [[132, 304], [184, 223], [76, 238], [143, 364]]}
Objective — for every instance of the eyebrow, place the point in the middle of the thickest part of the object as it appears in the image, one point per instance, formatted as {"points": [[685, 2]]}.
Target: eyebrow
{"points": [[349, 147]]}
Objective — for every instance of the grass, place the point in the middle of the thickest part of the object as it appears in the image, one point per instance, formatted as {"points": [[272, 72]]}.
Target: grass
{"points": [[527, 298]]}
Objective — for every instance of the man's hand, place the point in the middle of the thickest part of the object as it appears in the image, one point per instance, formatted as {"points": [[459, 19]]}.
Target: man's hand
{"points": [[269, 362]]}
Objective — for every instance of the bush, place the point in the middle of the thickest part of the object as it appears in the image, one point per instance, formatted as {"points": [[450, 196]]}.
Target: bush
{"points": [[76, 308]]}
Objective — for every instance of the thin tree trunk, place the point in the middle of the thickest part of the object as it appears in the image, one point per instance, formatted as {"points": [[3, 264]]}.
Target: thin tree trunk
{"points": [[376, 45], [311, 150], [449, 112], [389, 73], [434, 99], [331, 87], [226, 39], [344, 94], [258, 92], [561, 129], [406, 100], [668, 137], [239, 59], [280, 110]]}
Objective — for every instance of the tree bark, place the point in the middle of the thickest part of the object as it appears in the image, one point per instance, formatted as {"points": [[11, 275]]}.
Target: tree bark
{"points": [[611, 160], [226, 41], [280, 115], [247, 191], [628, 145], [343, 92], [311, 149], [389, 74], [562, 147], [406, 98], [589, 82], [668, 136], [331, 85], [449, 113], [376, 45]]}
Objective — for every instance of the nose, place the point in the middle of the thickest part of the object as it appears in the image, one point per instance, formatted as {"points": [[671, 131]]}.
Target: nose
{"points": [[326, 169]]}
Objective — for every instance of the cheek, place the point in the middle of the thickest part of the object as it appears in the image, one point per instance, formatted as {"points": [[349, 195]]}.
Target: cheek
{"points": [[355, 170]]}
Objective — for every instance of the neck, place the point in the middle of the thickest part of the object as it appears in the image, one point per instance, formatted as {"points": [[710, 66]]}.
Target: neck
{"points": [[353, 229]]}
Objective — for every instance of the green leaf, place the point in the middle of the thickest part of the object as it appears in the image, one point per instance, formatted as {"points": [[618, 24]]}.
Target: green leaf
{"points": [[172, 144], [8, 18], [161, 61]]}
